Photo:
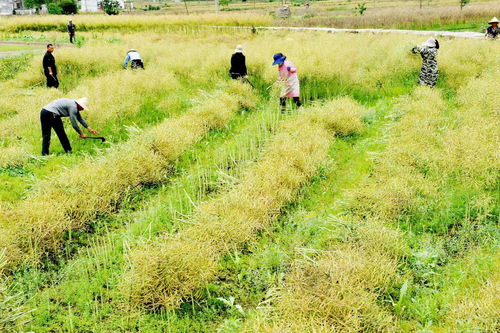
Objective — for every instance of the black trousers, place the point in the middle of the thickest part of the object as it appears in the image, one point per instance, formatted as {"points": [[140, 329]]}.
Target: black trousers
{"points": [[52, 81], [296, 100], [236, 76], [51, 121], [137, 64], [71, 37]]}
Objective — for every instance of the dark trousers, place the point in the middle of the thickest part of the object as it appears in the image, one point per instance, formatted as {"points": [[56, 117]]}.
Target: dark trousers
{"points": [[296, 100], [137, 64], [236, 76], [50, 120], [52, 81], [71, 37]]}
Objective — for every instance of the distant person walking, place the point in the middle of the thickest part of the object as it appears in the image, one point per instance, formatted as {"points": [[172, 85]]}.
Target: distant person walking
{"points": [[50, 117], [429, 72], [238, 66], [71, 31], [50, 68], [288, 77], [493, 31], [134, 58]]}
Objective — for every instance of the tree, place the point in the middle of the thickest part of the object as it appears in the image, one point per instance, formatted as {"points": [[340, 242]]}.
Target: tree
{"points": [[111, 7], [54, 8], [463, 3], [34, 3], [69, 7]]}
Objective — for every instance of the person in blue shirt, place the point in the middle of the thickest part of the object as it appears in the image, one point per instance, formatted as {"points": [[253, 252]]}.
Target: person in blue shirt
{"points": [[134, 58], [493, 30]]}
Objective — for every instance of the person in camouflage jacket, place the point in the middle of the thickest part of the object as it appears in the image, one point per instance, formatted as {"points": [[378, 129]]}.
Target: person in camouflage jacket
{"points": [[429, 72]]}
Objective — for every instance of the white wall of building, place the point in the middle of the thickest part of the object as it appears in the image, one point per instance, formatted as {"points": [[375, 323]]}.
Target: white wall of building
{"points": [[6, 7], [91, 5], [88, 6]]}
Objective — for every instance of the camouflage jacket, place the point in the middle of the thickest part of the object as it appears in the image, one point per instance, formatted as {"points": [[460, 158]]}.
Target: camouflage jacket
{"points": [[429, 72]]}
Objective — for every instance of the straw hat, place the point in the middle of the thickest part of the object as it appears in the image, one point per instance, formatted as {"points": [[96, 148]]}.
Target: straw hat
{"points": [[239, 49], [431, 42], [493, 20], [82, 102]]}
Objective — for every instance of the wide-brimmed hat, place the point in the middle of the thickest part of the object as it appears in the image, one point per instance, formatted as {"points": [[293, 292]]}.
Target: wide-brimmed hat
{"points": [[239, 49], [279, 59], [83, 102], [431, 42], [493, 20], [70, 20]]}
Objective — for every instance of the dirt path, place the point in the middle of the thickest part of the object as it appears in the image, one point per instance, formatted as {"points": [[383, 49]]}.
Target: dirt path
{"points": [[42, 45], [457, 34], [24, 43]]}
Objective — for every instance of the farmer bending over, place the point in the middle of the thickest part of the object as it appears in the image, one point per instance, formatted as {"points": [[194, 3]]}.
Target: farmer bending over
{"points": [[429, 72], [51, 115], [135, 58], [238, 66], [287, 76], [493, 30]]}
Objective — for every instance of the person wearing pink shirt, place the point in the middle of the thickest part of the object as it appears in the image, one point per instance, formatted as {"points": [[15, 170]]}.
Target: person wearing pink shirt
{"points": [[287, 76]]}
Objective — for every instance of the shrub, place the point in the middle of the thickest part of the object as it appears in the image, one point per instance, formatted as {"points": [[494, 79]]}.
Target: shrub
{"points": [[54, 8], [360, 8], [110, 7]]}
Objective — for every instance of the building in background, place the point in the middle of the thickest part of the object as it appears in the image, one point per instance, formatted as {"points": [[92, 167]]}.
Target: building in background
{"points": [[93, 5], [7, 7], [10, 7]]}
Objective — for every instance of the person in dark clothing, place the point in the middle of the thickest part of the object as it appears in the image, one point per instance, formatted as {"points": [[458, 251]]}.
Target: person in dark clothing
{"points": [[238, 67], [493, 31], [50, 68], [71, 31], [50, 117]]}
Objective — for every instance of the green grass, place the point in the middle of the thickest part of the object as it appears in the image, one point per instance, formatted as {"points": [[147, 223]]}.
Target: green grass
{"points": [[10, 66], [200, 176], [77, 291], [79, 301]]}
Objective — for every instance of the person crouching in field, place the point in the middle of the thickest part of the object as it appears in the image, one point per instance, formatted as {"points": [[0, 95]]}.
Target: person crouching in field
{"points": [[429, 72], [287, 76], [134, 58], [238, 66], [493, 31], [51, 115]]}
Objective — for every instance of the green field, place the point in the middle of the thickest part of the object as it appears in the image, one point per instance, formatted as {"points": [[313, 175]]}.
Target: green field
{"points": [[372, 208]]}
